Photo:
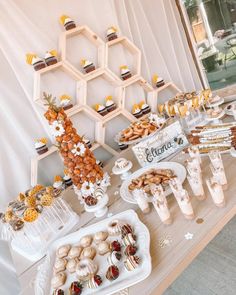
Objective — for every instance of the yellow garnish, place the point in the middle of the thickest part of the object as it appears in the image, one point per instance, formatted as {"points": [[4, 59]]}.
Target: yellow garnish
{"points": [[65, 96], [113, 28], [57, 178], [66, 172], [154, 78], [36, 189], [21, 197], [109, 97], [135, 107], [82, 62], [96, 107], [124, 67], [63, 18], [141, 103], [43, 140], [29, 58], [53, 52]]}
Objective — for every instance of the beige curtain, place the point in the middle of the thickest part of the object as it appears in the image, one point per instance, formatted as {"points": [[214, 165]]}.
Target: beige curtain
{"points": [[33, 26]]}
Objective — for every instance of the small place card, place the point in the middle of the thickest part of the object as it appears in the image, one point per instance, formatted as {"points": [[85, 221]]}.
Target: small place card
{"points": [[165, 143]]}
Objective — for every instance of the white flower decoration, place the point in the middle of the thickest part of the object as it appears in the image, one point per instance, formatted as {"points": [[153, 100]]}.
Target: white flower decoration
{"points": [[79, 149], [188, 236], [87, 189], [57, 129], [153, 118]]}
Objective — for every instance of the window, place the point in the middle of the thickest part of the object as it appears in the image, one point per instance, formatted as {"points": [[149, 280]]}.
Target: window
{"points": [[213, 26]]}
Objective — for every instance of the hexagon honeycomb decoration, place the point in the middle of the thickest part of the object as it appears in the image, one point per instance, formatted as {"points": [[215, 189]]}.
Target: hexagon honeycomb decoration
{"points": [[82, 86]]}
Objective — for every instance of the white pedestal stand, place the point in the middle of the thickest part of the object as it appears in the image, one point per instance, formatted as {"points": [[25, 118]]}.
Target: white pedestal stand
{"points": [[123, 172], [100, 209]]}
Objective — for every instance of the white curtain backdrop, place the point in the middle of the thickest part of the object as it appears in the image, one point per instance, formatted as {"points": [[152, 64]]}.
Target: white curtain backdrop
{"points": [[33, 26]]}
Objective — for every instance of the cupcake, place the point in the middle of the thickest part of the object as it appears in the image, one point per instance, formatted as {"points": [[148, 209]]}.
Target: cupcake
{"points": [[123, 146], [51, 57], [58, 182], [41, 145], [101, 109], [67, 22], [87, 142], [37, 62], [111, 33], [125, 73], [145, 108], [65, 102], [110, 105], [67, 179], [158, 81], [87, 65], [136, 111]]}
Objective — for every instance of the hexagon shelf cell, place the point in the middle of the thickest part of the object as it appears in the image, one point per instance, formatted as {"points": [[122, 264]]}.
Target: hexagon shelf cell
{"points": [[86, 125], [101, 85], [166, 92], [112, 128], [82, 43], [136, 92], [122, 51], [45, 165], [57, 80], [102, 154]]}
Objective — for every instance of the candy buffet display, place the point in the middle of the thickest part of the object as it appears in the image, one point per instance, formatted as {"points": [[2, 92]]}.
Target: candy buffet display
{"points": [[102, 258], [220, 137], [141, 129], [35, 219], [89, 181]]}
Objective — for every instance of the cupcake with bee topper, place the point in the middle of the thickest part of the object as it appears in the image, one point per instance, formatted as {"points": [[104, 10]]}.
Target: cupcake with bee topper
{"points": [[41, 145], [145, 108], [136, 111], [65, 102], [125, 72], [111, 33], [67, 22], [157, 81], [58, 184], [110, 105], [51, 57], [67, 179], [87, 65], [101, 109], [37, 62]]}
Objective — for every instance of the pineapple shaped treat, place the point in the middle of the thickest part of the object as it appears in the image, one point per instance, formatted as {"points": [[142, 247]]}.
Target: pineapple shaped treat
{"points": [[46, 200], [30, 215], [78, 159]]}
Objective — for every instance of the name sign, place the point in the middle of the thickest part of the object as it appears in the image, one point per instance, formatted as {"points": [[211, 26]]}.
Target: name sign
{"points": [[165, 143]]}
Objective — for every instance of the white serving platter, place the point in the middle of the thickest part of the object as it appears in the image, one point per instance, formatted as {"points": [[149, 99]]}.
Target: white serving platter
{"points": [[178, 169], [126, 278]]}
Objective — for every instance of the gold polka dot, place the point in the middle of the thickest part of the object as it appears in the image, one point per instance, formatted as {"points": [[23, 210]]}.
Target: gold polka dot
{"points": [[199, 220]]}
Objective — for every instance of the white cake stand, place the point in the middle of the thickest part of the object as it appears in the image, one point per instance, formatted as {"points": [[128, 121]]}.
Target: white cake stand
{"points": [[123, 172], [100, 209]]}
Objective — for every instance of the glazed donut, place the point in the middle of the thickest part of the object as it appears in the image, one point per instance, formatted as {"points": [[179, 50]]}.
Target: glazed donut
{"points": [[128, 132], [85, 269], [138, 129], [114, 227]]}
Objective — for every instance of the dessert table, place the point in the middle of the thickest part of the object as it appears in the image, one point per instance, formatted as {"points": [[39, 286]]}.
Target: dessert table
{"points": [[174, 246]]}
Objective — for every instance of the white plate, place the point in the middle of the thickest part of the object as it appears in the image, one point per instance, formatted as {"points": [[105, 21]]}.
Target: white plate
{"points": [[125, 280], [178, 169]]}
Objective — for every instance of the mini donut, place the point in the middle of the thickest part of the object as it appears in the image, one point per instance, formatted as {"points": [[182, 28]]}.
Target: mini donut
{"points": [[145, 125], [85, 269], [71, 265], [128, 132], [138, 129], [86, 241], [58, 280], [75, 251], [63, 251], [59, 265], [103, 248], [88, 252], [135, 136], [100, 236], [114, 227]]}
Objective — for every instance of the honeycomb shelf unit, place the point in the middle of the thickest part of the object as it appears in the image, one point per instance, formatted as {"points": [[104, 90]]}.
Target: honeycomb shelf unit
{"points": [[89, 89]]}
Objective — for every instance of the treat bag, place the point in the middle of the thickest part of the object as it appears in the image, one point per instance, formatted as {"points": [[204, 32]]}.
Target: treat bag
{"points": [[219, 176], [216, 160], [160, 204], [184, 203], [196, 184], [193, 166], [142, 200], [176, 186], [216, 191], [194, 153]]}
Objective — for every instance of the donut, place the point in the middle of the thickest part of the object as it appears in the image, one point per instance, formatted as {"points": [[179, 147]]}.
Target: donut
{"points": [[114, 227], [128, 132], [86, 268]]}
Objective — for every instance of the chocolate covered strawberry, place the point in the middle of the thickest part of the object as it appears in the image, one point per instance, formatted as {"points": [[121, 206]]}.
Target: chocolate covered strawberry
{"points": [[76, 288], [112, 273], [115, 246]]}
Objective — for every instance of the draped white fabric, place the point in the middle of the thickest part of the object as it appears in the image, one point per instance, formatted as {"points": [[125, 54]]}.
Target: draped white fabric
{"points": [[33, 26]]}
